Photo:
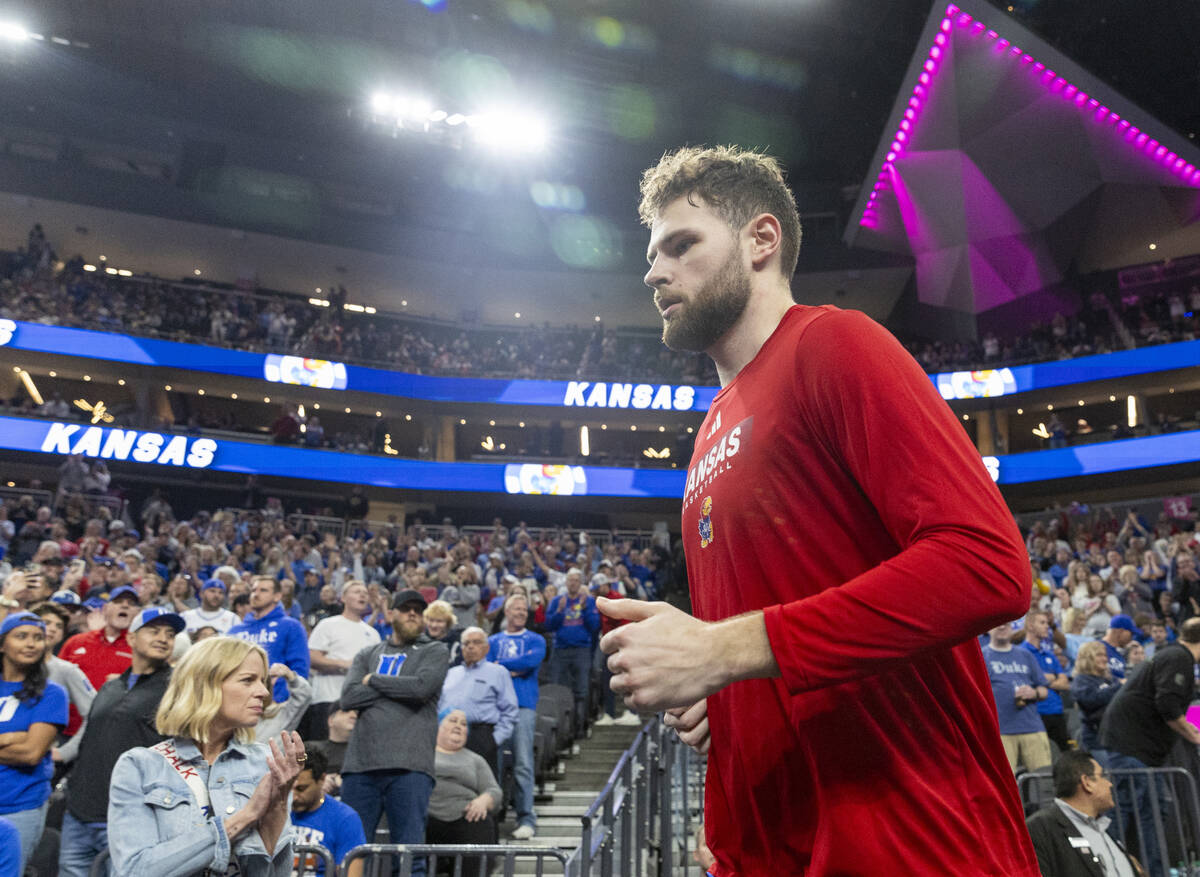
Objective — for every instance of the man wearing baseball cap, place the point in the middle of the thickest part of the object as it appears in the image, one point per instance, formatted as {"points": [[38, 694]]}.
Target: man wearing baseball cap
{"points": [[389, 762], [1121, 630], [121, 718], [211, 612], [104, 654]]}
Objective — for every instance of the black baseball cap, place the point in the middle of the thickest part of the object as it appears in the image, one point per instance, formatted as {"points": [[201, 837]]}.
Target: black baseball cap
{"points": [[408, 595]]}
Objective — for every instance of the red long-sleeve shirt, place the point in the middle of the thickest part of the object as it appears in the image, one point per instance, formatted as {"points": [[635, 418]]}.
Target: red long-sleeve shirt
{"points": [[833, 488]]}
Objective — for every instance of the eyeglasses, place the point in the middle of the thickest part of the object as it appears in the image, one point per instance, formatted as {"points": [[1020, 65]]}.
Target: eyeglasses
{"points": [[1102, 775]]}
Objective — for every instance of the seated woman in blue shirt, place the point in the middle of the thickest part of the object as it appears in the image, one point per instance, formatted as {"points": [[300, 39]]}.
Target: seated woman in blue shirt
{"points": [[207, 799], [32, 711]]}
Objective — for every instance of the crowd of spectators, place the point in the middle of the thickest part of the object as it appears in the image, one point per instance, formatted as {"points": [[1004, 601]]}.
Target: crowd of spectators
{"points": [[39, 287], [317, 602], [314, 601], [1089, 567], [1103, 667]]}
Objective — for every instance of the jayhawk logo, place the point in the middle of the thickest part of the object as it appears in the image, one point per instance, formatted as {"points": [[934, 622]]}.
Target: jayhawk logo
{"points": [[706, 528]]}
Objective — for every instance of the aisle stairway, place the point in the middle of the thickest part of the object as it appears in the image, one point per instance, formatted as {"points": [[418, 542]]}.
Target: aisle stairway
{"points": [[581, 778]]}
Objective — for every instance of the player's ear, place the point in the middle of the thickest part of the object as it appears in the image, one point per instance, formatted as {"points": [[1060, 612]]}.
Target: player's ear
{"points": [[766, 237]]}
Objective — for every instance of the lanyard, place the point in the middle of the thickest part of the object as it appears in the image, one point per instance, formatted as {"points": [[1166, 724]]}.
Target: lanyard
{"points": [[199, 790]]}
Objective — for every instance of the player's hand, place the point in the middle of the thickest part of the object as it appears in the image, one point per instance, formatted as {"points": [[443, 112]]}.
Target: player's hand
{"points": [[703, 855], [663, 659], [691, 724]]}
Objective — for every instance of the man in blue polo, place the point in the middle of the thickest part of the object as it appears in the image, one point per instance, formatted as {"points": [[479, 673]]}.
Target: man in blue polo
{"points": [[484, 691], [267, 625], [1039, 642]]}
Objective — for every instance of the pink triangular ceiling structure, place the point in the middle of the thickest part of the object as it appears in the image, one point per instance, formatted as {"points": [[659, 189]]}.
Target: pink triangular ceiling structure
{"points": [[996, 143]]}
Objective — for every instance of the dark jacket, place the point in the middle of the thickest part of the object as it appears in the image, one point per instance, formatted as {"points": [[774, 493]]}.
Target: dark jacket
{"points": [[121, 719], [1051, 829], [1157, 692], [1093, 694]]}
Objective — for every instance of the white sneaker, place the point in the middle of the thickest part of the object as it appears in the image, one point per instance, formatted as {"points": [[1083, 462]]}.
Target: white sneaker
{"points": [[574, 748], [523, 832], [605, 720], [628, 718]]}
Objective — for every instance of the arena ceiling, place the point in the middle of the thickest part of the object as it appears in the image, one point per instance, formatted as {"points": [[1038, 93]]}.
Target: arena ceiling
{"points": [[285, 88]]}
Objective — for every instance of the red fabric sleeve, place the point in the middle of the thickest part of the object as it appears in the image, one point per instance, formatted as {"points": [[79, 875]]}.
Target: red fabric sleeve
{"points": [[961, 568]]}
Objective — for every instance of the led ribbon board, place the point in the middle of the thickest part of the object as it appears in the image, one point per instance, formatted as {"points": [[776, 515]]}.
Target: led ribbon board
{"points": [[189, 452], [601, 395], [990, 383], [320, 373], [532, 479]]}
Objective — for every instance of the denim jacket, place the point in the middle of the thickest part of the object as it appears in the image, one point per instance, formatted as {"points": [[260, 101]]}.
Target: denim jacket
{"points": [[155, 825]]}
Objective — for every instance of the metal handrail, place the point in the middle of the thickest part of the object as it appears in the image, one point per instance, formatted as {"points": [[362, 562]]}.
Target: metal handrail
{"points": [[40, 497], [635, 813], [376, 858], [301, 852]]}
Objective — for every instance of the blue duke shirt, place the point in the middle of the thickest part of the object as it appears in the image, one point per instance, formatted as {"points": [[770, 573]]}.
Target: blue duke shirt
{"points": [[485, 693], [1116, 661], [333, 825], [1008, 670], [26, 787], [282, 638], [521, 654]]}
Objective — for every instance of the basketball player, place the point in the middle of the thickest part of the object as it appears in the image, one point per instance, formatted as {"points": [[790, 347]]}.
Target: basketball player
{"points": [[845, 546]]}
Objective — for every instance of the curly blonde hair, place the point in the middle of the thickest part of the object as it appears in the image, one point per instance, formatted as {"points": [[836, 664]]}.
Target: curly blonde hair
{"points": [[737, 183]]}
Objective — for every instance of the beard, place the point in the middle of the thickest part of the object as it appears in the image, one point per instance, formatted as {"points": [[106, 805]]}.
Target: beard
{"points": [[713, 310]]}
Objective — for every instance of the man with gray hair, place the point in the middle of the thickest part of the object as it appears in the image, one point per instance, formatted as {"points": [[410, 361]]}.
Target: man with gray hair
{"points": [[484, 691]]}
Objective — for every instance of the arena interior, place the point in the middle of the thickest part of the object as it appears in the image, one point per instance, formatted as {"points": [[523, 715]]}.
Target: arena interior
{"points": [[338, 292]]}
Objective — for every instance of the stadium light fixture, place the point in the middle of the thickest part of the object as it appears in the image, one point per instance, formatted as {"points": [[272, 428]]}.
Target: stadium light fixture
{"points": [[13, 32], [381, 104], [510, 131], [31, 387]]}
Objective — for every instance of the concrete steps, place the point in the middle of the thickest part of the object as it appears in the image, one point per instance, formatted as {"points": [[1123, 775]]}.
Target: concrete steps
{"points": [[581, 778], [580, 781]]}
